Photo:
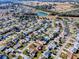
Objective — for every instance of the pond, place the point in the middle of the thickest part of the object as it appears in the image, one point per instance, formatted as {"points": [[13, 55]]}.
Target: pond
{"points": [[41, 13], [3, 57]]}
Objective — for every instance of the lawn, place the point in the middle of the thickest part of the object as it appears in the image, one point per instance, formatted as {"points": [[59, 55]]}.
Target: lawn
{"points": [[38, 55]]}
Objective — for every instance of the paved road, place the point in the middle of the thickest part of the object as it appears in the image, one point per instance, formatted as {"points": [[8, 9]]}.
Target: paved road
{"points": [[58, 54], [67, 41]]}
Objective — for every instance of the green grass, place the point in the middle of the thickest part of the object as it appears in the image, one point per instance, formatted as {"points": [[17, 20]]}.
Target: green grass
{"points": [[38, 55], [69, 45], [21, 48], [11, 56], [53, 51], [20, 57], [63, 56], [25, 52]]}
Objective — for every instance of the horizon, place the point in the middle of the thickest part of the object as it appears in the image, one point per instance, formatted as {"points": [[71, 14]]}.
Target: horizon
{"points": [[41, 0]]}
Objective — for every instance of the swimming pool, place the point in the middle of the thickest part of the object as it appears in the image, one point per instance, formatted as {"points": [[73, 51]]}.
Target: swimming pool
{"points": [[3, 57]]}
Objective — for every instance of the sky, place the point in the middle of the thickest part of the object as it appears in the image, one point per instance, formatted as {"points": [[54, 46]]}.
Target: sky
{"points": [[7, 0], [35, 0]]}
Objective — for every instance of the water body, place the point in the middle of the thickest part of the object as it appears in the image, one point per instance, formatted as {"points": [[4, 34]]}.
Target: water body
{"points": [[41, 13], [3, 57]]}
